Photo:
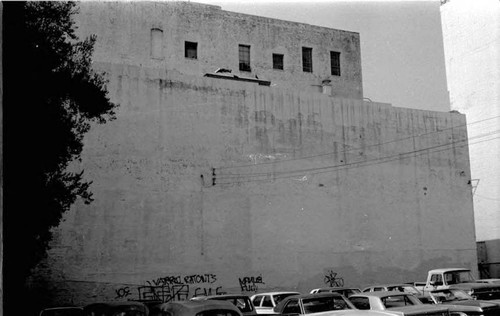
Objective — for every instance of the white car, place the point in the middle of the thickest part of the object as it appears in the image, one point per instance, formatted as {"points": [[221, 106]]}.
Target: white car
{"points": [[265, 302]]}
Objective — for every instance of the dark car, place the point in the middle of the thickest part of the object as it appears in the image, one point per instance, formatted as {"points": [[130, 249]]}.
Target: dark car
{"points": [[241, 301], [459, 301], [62, 311], [129, 308], [195, 308]]}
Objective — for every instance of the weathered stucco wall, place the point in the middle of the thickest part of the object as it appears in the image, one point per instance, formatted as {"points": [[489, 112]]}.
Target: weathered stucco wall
{"points": [[124, 36], [280, 211], [471, 35]]}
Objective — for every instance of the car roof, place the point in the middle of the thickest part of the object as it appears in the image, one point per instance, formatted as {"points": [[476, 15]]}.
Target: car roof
{"points": [[62, 308], [222, 296], [448, 270], [276, 293], [389, 285], [337, 288], [309, 295], [381, 294], [194, 307], [116, 305]]}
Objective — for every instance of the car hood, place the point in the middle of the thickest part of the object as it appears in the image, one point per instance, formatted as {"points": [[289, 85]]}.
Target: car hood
{"points": [[474, 285], [477, 303], [419, 309]]}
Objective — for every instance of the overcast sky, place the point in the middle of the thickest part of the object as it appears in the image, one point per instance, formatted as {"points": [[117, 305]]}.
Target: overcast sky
{"points": [[401, 43]]}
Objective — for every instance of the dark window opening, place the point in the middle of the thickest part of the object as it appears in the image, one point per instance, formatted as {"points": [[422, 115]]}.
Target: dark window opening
{"points": [[307, 65], [244, 53], [278, 61], [335, 63], [191, 50]]}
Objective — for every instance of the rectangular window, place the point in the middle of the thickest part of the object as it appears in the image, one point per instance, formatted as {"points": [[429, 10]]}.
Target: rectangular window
{"points": [[278, 61], [307, 64], [156, 44], [335, 63], [244, 52], [191, 50]]}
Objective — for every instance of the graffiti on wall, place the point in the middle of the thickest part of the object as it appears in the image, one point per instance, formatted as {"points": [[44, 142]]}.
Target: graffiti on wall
{"points": [[332, 280], [171, 288], [250, 284]]}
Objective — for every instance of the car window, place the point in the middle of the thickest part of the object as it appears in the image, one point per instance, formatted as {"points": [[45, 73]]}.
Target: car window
{"points": [[397, 301], [278, 298], [350, 292], [292, 307], [256, 300], [324, 304], [378, 289], [360, 302], [218, 312], [437, 279], [266, 302]]}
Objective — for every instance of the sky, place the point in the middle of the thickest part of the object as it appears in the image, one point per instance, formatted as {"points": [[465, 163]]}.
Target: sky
{"points": [[402, 51]]}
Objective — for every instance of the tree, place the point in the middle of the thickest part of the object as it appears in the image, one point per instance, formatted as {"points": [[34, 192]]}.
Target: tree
{"points": [[51, 98]]}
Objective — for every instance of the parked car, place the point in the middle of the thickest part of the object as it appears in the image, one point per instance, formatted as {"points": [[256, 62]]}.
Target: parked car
{"points": [[400, 287], [241, 301], [491, 281], [264, 303], [461, 279], [195, 308], [396, 303], [346, 291], [321, 304], [128, 308], [459, 301], [62, 311]]}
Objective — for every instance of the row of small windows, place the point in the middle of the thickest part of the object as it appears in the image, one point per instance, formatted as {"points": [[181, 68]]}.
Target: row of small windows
{"points": [[191, 52], [307, 65]]}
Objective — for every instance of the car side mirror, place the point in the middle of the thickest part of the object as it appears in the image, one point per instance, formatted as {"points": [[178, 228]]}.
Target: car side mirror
{"points": [[433, 283]]}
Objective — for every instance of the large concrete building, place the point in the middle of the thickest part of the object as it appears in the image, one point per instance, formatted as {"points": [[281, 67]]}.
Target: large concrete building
{"points": [[471, 34], [276, 175]]}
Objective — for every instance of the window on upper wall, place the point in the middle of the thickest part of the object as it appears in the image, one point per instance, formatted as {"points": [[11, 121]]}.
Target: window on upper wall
{"points": [[307, 65], [278, 61], [156, 43], [244, 53], [335, 63], [191, 50]]}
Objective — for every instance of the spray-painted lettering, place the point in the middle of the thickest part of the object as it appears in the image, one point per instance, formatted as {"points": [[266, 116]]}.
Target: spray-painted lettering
{"points": [[250, 284]]}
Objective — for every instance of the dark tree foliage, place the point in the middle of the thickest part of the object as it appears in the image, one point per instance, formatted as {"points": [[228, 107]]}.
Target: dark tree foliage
{"points": [[51, 98]]}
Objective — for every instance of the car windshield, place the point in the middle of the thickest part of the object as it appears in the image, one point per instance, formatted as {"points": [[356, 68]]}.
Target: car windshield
{"points": [[399, 301], [455, 277], [450, 295], [348, 292], [324, 304], [404, 288], [279, 297]]}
